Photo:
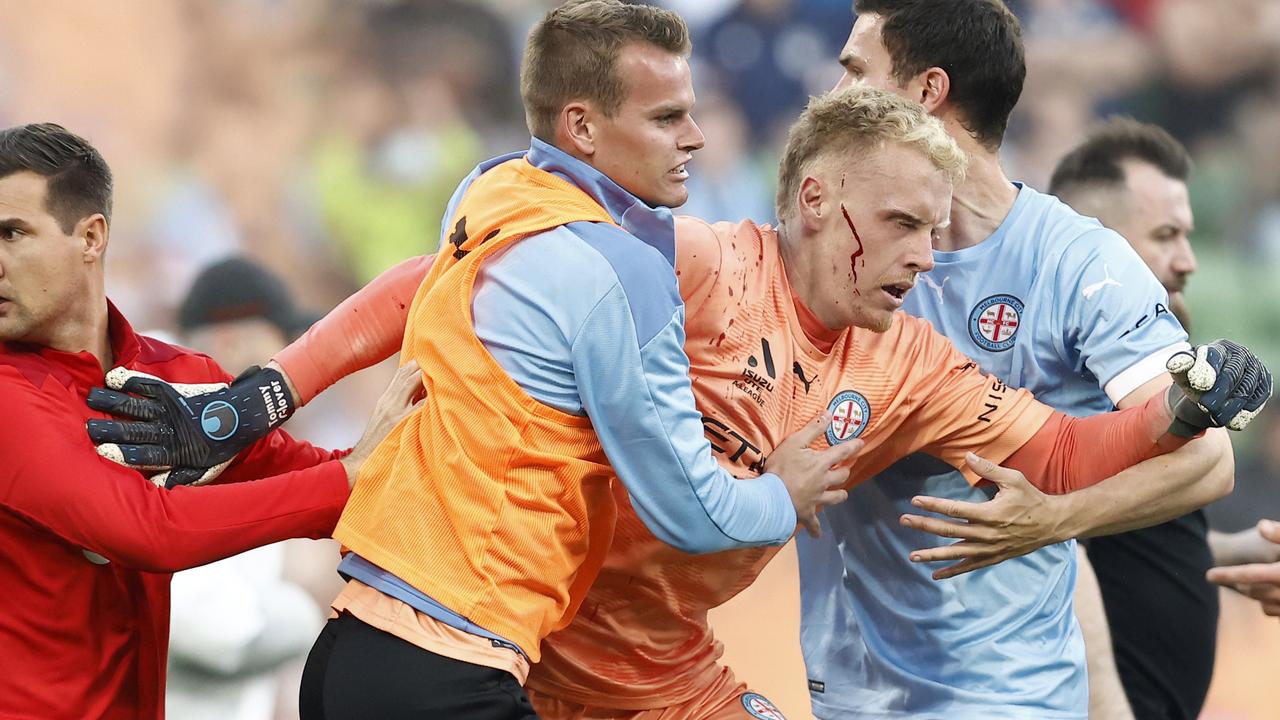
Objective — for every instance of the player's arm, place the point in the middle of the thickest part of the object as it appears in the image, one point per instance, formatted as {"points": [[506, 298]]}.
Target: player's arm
{"points": [[633, 378], [1021, 518], [362, 331], [55, 480], [165, 425], [1123, 333], [1153, 491]]}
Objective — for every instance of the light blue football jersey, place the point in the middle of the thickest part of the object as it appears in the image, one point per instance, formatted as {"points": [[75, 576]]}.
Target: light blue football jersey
{"points": [[1053, 302]]}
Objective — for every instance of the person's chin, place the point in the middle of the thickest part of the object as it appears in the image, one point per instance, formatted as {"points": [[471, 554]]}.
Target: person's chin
{"points": [[10, 331], [674, 199], [875, 320]]}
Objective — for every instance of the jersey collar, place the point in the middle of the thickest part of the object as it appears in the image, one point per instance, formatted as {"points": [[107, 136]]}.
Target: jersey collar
{"points": [[82, 368], [654, 226]]}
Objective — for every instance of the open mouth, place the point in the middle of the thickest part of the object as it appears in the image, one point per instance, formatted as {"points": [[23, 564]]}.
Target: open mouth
{"points": [[897, 290]]}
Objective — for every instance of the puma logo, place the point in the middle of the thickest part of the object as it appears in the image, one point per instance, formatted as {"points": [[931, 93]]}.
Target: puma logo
{"points": [[799, 371], [936, 287], [1090, 290]]}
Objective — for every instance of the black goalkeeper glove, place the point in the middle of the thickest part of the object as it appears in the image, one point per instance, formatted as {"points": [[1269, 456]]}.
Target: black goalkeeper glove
{"points": [[1221, 384], [192, 432]]}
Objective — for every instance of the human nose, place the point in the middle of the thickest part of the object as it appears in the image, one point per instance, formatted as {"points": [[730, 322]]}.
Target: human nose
{"points": [[693, 138], [1184, 258], [920, 257]]}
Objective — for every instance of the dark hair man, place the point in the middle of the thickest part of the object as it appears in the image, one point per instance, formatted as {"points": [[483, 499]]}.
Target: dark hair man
{"points": [[89, 544]]}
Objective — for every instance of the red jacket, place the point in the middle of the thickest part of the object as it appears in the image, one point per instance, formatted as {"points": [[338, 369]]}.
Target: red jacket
{"points": [[80, 638]]}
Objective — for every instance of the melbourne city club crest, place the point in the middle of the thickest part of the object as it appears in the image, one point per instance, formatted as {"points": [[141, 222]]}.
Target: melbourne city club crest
{"points": [[850, 414], [994, 322], [758, 706]]}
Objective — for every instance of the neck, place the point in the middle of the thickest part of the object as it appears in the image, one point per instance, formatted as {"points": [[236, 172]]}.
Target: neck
{"points": [[798, 268], [85, 331], [982, 201]]}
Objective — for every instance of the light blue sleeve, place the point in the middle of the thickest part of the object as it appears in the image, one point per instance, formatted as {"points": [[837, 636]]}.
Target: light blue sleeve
{"points": [[641, 403], [589, 320], [1115, 313]]}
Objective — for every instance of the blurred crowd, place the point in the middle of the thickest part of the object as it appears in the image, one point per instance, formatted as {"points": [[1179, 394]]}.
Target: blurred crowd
{"points": [[321, 138]]}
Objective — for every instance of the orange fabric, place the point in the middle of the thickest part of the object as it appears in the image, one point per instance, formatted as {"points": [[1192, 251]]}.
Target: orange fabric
{"points": [[641, 639], [493, 504], [721, 699], [368, 326], [397, 618], [1056, 461]]}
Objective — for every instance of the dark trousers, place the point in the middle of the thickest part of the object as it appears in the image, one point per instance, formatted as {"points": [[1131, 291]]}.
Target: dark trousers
{"points": [[357, 672], [1163, 614]]}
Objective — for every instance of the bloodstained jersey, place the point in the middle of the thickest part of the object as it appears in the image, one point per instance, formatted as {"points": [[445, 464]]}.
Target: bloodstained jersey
{"points": [[1053, 302], [760, 372]]}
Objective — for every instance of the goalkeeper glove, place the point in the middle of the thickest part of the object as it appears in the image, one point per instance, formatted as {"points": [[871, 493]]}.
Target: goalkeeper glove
{"points": [[190, 431], [1221, 384]]}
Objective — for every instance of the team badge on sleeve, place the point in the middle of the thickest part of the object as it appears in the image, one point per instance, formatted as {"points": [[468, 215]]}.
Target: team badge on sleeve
{"points": [[850, 413], [994, 322], [759, 707]]}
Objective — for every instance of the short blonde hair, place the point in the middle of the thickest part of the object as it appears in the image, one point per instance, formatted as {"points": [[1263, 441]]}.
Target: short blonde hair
{"points": [[572, 54], [859, 118]]}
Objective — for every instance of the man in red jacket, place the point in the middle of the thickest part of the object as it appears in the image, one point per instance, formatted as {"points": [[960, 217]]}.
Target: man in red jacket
{"points": [[88, 545]]}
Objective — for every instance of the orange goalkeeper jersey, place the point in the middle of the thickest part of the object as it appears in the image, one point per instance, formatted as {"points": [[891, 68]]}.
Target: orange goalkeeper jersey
{"points": [[762, 366]]}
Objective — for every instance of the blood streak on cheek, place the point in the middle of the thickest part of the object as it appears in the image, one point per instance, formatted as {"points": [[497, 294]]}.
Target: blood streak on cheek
{"points": [[853, 259]]}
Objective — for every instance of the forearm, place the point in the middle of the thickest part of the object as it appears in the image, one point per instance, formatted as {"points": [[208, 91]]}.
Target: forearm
{"points": [[655, 441], [187, 527], [1068, 453], [1155, 490], [1239, 548], [363, 330]]}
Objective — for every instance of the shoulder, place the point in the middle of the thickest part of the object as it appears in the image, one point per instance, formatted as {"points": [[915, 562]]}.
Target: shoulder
{"points": [[1073, 236], [1060, 227], [707, 247], [708, 252], [644, 273], [695, 237], [571, 270]]}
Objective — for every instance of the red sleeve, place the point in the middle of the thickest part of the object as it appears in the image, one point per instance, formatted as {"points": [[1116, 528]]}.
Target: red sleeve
{"points": [[1069, 453], [52, 477], [364, 330]]}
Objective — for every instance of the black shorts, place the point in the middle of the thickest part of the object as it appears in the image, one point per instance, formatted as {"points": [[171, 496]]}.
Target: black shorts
{"points": [[358, 672]]}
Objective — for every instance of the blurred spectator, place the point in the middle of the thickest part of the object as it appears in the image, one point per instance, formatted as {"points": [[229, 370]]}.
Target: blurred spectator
{"points": [[728, 179], [1212, 55], [236, 150], [424, 81], [771, 55], [1081, 58], [237, 621]]}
